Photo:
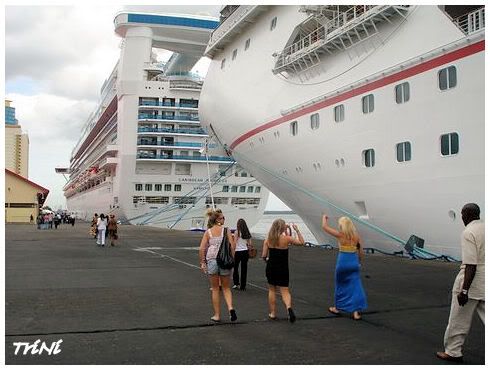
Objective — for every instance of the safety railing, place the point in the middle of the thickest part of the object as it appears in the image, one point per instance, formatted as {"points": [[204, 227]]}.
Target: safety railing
{"points": [[173, 131], [471, 22]]}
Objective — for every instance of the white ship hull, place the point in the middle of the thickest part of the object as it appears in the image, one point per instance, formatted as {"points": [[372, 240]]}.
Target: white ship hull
{"points": [[322, 170], [143, 154]]}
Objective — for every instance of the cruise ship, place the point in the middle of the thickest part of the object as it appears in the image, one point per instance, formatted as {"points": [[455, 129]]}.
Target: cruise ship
{"points": [[143, 154], [371, 111]]}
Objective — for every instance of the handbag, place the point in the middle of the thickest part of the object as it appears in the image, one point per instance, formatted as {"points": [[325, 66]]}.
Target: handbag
{"points": [[252, 252], [224, 258]]}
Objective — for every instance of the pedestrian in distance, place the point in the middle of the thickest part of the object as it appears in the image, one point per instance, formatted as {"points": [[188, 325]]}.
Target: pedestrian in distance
{"points": [[468, 294], [93, 226], [208, 251], [31, 219], [349, 292], [243, 241], [112, 228], [101, 228], [275, 253]]}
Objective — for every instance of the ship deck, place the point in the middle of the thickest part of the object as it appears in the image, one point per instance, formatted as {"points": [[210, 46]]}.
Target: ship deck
{"points": [[136, 305]]}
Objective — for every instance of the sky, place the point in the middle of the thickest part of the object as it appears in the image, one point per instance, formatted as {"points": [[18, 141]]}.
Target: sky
{"points": [[56, 60]]}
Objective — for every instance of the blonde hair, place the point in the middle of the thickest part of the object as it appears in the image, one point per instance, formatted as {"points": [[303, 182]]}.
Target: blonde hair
{"points": [[213, 215], [347, 228], [277, 228]]}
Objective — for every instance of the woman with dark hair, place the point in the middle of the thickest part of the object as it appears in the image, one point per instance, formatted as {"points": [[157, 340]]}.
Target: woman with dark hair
{"points": [[275, 253], [243, 241], [208, 251]]}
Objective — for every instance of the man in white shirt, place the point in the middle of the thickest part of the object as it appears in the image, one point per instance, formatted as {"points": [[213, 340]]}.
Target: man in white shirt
{"points": [[469, 286]]}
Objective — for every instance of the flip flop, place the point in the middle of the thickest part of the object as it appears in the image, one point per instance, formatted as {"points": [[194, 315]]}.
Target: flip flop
{"points": [[271, 317], [356, 318], [215, 320], [334, 311]]}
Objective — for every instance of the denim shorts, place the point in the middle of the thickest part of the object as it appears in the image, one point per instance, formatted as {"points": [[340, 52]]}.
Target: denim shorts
{"points": [[214, 269]]}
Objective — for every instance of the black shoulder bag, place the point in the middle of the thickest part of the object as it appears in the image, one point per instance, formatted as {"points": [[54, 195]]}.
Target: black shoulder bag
{"points": [[224, 259]]}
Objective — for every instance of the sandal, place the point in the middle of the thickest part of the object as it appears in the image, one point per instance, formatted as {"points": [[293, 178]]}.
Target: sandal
{"points": [[272, 317], [215, 320], [356, 317], [233, 316], [334, 311]]}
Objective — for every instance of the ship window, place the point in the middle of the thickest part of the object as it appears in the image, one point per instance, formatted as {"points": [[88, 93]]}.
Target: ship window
{"points": [[148, 187], [403, 151], [243, 174], [247, 44], [402, 93], [223, 62], [447, 78], [339, 113], [368, 157], [257, 189], [233, 56], [449, 144], [242, 189], [315, 121], [168, 187], [250, 189], [234, 189], [368, 103], [138, 187], [293, 126], [226, 189], [158, 187], [273, 23], [178, 187]]}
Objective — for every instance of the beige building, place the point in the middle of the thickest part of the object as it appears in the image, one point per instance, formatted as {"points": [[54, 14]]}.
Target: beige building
{"points": [[23, 198], [16, 144]]}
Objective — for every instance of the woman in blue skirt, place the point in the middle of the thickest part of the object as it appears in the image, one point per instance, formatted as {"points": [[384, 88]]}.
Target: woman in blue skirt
{"points": [[349, 293]]}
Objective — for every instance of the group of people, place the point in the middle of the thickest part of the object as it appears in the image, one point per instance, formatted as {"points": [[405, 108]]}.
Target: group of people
{"points": [[104, 226], [349, 293], [468, 288], [50, 220]]}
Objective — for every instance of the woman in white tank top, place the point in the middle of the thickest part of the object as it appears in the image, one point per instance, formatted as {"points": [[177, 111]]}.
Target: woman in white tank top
{"points": [[243, 240]]}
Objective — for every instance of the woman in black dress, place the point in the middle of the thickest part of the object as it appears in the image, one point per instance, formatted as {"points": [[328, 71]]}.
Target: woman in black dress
{"points": [[275, 252]]}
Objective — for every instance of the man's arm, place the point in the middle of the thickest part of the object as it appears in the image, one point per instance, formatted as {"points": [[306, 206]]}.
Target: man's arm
{"points": [[469, 274]]}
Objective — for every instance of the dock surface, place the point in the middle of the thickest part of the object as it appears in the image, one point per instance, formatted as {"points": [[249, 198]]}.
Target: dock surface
{"points": [[146, 302]]}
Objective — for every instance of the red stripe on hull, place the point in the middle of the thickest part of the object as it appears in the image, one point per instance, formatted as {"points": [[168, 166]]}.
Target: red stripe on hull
{"points": [[409, 72]]}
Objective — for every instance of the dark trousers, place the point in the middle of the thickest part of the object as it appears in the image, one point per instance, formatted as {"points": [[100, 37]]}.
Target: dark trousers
{"points": [[240, 256]]}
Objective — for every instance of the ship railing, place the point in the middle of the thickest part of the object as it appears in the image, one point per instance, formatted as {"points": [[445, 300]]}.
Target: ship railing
{"points": [[184, 85], [178, 144], [185, 157], [173, 131], [336, 26], [229, 23], [166, 104], [170, 118], [471, 22]]}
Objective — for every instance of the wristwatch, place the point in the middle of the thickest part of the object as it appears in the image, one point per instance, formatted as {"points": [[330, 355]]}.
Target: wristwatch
{"points": [[465, 291]]}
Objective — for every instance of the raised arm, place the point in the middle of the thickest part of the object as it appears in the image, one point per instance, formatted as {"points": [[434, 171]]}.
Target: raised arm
{"points": [[299, 237], [328, 229]]}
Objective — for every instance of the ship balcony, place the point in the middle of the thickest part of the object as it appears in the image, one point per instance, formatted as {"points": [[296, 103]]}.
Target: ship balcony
{"points": [[184, 158], [109, 162], [340, 33], [165, 105], [186, 132], [183, 145], [163, 117]]}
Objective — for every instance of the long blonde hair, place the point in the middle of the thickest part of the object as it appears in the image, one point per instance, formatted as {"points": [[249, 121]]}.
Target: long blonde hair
{"points": [[347, 228], [277, 228]]}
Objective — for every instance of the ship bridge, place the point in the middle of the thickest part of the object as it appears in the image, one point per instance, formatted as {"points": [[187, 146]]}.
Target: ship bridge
{"points": [[185, 35]]}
